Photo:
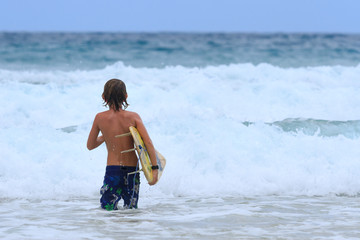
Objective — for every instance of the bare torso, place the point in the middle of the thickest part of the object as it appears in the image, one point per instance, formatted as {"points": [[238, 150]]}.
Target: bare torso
{"points": [[112, 123]]}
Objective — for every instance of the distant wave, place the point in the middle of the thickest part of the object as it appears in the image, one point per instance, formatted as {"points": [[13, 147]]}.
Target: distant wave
{"points": [[316, 127]]}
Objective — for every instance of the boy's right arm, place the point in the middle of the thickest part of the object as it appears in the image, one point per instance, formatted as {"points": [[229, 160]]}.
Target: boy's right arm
{"points": [[149, 145]]}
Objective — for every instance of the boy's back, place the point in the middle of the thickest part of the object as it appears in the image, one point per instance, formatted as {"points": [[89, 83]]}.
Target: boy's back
{"points": [[112, 123]]}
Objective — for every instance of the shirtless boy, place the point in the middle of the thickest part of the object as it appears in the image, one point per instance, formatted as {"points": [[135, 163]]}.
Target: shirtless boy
{"points": [[117, 183]]}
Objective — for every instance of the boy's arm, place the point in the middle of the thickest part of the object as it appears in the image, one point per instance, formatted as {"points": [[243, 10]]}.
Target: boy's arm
{"points": [[94, 141], [149, 146]]}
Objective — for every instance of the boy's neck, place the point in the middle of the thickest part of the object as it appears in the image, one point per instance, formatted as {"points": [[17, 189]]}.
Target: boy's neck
{"points": [[113, 109]]}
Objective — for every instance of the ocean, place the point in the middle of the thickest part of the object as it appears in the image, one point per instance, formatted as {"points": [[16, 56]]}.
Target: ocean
{"points": [[260, 131]]}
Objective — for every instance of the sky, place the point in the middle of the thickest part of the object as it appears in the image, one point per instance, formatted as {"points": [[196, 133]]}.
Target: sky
{"points": [[256, 16]]}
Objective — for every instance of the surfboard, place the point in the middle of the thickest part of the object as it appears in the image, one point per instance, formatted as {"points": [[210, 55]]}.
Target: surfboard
{"points": [[143, 155]]}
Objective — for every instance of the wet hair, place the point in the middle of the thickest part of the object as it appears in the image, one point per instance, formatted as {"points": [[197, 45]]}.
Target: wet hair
{"points": [[114, 94]]}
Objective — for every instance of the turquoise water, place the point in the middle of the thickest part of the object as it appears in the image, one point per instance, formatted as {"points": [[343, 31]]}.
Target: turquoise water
{"points": [[97, 50]]}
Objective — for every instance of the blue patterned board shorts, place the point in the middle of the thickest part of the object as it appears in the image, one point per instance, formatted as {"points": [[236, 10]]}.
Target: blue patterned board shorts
{"points": [[119, 185]]}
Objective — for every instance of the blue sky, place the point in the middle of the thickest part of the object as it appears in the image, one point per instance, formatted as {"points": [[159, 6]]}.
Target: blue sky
{"points": [[341, 16]]}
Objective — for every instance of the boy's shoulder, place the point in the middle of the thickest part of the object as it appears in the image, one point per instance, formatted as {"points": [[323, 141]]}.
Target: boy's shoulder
{"points": [[125, 113], [102, 114], [131, 114]]}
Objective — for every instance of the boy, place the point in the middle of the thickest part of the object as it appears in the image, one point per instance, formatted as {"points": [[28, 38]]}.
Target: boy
{"points": [[117, 183]]}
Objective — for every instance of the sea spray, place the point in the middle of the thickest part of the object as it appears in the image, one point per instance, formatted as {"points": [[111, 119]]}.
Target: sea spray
{"points": [[238, 129]]}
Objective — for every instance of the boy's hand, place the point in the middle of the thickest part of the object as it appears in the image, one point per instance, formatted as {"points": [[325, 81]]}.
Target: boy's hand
{"points": [[155, 176]]}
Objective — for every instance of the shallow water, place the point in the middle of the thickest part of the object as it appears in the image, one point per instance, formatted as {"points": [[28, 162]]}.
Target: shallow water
{"points": [[265, 217]]}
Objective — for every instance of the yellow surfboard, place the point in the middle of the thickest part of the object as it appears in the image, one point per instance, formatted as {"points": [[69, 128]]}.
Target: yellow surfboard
{"points": [[144, 156]]}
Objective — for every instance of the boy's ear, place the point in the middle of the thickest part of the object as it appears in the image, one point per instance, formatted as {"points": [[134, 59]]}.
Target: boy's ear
{"points": [[126, 96]]}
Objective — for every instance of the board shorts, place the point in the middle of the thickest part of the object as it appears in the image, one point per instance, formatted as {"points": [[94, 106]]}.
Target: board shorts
{"points": [[119, 185]]}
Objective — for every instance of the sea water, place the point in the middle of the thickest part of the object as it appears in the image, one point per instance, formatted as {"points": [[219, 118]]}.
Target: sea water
{"points": [[261, 134]]}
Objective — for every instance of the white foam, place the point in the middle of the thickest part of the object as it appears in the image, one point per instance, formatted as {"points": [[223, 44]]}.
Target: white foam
{"points": [[195, 117]]}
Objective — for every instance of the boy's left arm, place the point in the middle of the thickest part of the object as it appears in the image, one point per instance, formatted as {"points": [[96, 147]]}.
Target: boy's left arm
{"points": [[94, 141]]}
